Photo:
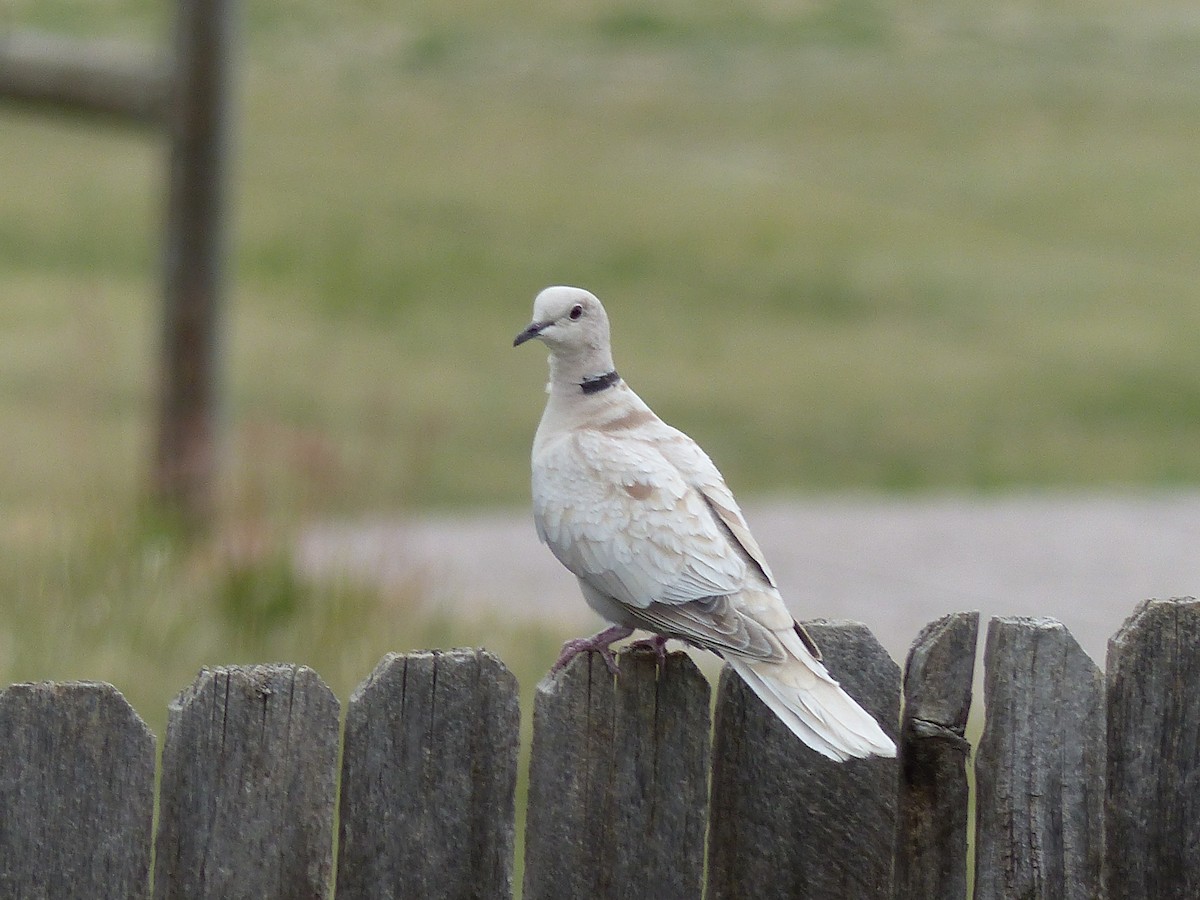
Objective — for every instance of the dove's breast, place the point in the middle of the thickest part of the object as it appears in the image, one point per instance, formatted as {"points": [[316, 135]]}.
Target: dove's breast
{"points": [[587, 486]]}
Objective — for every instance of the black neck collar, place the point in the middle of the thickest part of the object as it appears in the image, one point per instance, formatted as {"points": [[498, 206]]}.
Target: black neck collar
{"points": [[593, 384]]}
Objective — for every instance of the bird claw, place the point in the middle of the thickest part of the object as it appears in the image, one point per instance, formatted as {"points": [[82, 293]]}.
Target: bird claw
{"points": [[573, 648], [656, 645], [600, 643]]}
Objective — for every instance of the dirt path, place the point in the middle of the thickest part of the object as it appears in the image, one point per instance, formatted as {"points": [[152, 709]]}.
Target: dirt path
{"points": [[892, 563]]}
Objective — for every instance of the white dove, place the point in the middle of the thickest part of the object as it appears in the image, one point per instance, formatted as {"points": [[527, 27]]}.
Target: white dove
{"points": [[641, 516]]}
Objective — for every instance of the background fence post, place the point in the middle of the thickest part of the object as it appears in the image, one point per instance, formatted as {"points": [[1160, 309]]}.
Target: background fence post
{"points": [[248, 780], [618, 781], [786, 822], [429, 773], [185, 466], [76, 793], [1152, 803], [931, 832], [1039, 771]]}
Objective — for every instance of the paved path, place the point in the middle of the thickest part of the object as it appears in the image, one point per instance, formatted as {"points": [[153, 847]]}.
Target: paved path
{"points": [[893, 563]]}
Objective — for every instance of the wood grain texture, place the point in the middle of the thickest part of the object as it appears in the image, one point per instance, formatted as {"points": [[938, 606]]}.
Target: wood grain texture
{"points": [[785, 822], [1040, 767], [1152, 803], [429, 773], [76, 793], [931, 833], [248, 781], [618, 781]]}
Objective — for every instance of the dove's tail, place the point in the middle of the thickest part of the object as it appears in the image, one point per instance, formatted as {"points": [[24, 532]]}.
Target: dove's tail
{"points": [[804, 695]]}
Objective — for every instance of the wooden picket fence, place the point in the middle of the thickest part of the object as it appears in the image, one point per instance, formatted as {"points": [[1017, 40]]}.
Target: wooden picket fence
{"points": [[1087, 784]]}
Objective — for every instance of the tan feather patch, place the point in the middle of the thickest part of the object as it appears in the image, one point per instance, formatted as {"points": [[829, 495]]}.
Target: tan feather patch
{"points": [[631, 419], [638, 491]]}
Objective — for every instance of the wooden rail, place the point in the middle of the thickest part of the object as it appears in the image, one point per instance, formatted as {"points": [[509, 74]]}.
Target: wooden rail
{"points": [[84, 76]]}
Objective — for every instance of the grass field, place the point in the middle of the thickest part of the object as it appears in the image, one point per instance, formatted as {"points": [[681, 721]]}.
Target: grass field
{"points": [[846, 247]]}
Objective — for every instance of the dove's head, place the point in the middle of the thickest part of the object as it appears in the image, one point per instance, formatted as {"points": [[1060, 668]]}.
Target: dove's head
{"points": [[573, 325], [567, 319]]}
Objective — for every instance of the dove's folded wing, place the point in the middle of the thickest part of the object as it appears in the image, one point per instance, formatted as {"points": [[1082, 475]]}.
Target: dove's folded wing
{"points": [[627, 522], [699, 470]]}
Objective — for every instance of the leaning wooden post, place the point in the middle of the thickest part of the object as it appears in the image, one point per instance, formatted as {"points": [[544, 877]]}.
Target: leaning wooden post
{"points": [[1039, 772], [785, 822], [76, 793], [931, 830], [198, 123], [429, 773], [249, 773], [617, 781], [1152, 806]]}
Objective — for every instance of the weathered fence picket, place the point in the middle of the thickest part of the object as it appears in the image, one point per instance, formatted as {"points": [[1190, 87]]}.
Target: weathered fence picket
{"points": [[786, 822], [76, 793], [933, 802], [1086, 785], [618, 780], [1040, 766], [249, 773], [429, 773], [1152, 805]]}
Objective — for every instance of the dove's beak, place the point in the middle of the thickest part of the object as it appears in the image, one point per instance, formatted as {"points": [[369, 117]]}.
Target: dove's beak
{"points": [[532, 331]]}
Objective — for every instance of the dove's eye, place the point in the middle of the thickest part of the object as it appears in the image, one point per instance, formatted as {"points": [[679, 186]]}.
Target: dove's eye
{"points": [[576, 312]]}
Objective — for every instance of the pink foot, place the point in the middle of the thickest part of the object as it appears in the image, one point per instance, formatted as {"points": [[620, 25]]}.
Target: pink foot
{"points": [[657, 645], [599, 642]]}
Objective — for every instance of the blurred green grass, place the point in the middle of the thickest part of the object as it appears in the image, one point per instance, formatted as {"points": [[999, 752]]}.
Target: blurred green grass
{"points": [[845, 246]]}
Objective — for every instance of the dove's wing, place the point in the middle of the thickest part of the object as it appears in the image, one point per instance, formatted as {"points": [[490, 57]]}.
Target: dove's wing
{"points": [[628, 522], [689, 458], [700, 471]]}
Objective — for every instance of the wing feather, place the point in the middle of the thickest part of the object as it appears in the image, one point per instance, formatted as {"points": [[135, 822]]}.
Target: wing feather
{"points": [[714, 623], [686, 455], [619, 515]]}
